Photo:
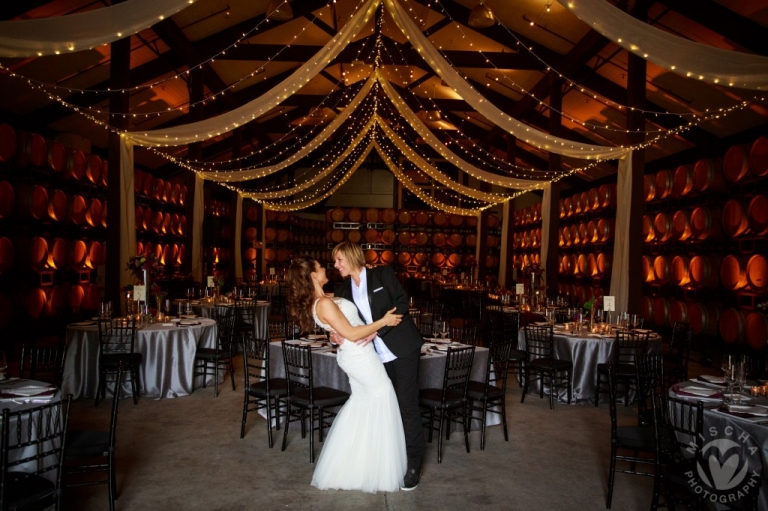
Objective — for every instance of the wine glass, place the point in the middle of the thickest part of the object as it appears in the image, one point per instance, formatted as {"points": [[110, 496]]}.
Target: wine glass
{"points": [[634, 322], [180, 311], [727, 364], [167, 306], [741, 378], [187, 308], [190, 293], [103, 310], [3, 365]]}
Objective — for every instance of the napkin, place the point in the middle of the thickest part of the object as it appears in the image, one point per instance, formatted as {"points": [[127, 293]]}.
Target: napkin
{"points": [[752, 410], [188, 322], [30, 390], [717, 380], [696, 391]]}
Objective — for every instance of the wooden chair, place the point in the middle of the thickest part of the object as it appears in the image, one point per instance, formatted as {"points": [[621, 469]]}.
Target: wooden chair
{"points": [[117, 340], [491, 393], [262, 392], [539, 349]]}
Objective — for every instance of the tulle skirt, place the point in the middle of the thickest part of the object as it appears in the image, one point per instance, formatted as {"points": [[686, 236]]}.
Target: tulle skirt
{"points": [[365, 448]]}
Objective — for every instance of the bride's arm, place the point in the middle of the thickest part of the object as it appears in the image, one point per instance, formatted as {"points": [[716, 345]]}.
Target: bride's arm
{"points": [[329, 313]]}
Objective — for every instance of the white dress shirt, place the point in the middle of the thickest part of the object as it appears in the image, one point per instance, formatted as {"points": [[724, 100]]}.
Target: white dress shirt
{"points": [[360, 296]]}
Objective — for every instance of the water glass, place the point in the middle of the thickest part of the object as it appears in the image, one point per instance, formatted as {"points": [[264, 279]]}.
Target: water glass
{"points": [[190, 293], [180, 312], [187, 307]]}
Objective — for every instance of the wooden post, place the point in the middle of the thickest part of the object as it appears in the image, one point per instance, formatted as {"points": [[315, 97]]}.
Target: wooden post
{"points": [[635, 124]]}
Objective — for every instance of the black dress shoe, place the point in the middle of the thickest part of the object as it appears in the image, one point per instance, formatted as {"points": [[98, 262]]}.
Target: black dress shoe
{"points": [[411, 479]]}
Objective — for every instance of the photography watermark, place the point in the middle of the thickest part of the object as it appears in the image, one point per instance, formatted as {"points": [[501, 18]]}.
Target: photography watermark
{"points": [[726, 469]]}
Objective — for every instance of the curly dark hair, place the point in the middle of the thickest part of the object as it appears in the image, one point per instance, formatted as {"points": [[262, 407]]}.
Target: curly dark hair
{"points": [[301, 292]]}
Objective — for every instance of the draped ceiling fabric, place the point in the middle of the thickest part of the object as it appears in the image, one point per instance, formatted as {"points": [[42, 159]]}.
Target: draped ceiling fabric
{"points": [[85, 30], [545, 225], [695, 60], [197, 230], [239, 237], [620, 266]]}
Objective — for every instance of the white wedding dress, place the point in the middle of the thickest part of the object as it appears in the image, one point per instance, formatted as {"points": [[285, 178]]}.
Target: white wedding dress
{"points": [[365, 447]]}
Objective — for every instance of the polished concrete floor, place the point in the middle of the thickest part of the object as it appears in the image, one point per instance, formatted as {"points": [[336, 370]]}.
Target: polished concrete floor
{"points": [[186, 453]]}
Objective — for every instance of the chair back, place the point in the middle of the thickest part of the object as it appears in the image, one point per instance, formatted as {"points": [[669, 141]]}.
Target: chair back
{"points": [[458, 365], [426, 329], [679, 429], [256, 361], [468, 334], [539, 342], [225, 325], [498, 363], [680, 347], [629, 345], [650, 380], [43, 363], [113, 418], [298, 368], [278, 330], [116, 336], [33, 441], [244, 311], [613, 393]]}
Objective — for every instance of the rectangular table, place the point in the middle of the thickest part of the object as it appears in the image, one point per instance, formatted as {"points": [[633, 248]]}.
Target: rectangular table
{"points": [[168, 356]]}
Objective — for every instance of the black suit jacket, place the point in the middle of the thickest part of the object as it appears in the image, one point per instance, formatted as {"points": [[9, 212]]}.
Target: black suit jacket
{"points": [[385, 292]]}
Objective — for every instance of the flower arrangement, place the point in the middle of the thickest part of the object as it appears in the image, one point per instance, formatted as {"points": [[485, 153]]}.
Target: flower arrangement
{"points": [[594, 304], [145, 262], [533, 269]]}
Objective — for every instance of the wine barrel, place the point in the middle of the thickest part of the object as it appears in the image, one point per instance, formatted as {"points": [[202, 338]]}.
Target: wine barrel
{"points": [[732, 324], [78, 254], [183, 195], [705, 223], [57, 157], [736, 163], [354, 236], [682, 181], [93, 213], [183, 225], [404, 237], [337, 235], [756, 330], [404, 217], [282, 216], [493, 241], [565, 265], [607, 195], [250, 256], [758, 157], [568, 206], [581, 264], [733, 272], [75, 298], [156, 222], [56, 299], [470, 260], [458, 220], [648, 234], [439, 218], [337, 215], [387, 257], [167, 189], [591, 234], [663, 180], [562, 212], [703, 271], [662, 270], [583, 239], [491, 261], [58, 205], [567, 240], [180, 255], [91, 297], [282, 255], [58, 254], [661, 311], [269, 254], [270, 234], [679, 270], [422, 238], [470, 240], [593, 199], [606, 229], [32, 201], [678, 312], [95, 251], [388, 215], [104, 214], [372, 216], [36, 303], [6, 254], [77, 209], [647, 265], [93, 169], [34, 251], [371, 236], [138, 181], [371, 256], [7, 147], [757, 215], [493, 222], [437, 259], [283, 235], [438, 239], [604, 262], [388, 236], [419, 259], [662, 226], [703, 318], [649, 187], [355, 215], [575, 235], [681, 225], [33, 150], [574, 264], [735, 221], [576, 200], [7, 199], [523, 240], [226, 230], [404, 258], [251, 213], [646, 309], [756, 273], [422, 218], [586, 205], [148, 184], [77, 163], [708, 175]]}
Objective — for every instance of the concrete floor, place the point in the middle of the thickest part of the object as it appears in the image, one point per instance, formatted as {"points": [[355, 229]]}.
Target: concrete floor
{"points": [[186, 454]]}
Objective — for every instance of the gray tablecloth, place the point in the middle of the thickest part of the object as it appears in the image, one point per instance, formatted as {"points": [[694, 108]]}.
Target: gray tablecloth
{"points": [[327, 372], [168, 356], [585, 353], [260, 325], [723, 425]]}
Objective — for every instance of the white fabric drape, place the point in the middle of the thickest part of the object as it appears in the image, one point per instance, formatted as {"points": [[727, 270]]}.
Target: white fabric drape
{"points": [[620, 266], [84, 30], [243, 175], [197, 230], [672, 52], [434, 142], [523, 132], [545, 225], [127, 207], [320, 175], [239, 237]]}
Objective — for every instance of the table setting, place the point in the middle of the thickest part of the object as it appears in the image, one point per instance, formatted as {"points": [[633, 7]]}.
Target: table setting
{"points": [[16, 393]]}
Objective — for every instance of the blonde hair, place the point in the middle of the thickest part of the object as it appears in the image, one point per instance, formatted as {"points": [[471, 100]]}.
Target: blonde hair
{"points": [[352, 252]]}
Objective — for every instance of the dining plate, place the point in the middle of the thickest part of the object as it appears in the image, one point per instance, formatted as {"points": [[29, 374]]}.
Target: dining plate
{"points": [[734, 397], [83, 323], [189, 316]]}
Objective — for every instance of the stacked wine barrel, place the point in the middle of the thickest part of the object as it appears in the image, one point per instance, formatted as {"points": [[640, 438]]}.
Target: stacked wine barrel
{"points": [[250, 239], [706, 236], [585, 238], [53, 218], [218, 232], [161, 221], [278, 238]]}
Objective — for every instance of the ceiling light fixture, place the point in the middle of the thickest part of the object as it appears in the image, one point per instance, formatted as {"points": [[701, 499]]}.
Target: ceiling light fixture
{"points": [[279, 10], [481, 16]]}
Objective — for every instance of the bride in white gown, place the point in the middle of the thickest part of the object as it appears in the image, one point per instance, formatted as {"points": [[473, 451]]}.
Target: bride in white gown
{"points": [[365, 447]]}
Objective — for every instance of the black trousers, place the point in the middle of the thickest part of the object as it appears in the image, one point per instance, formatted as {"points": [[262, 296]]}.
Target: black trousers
{"points": [[404, 373]]}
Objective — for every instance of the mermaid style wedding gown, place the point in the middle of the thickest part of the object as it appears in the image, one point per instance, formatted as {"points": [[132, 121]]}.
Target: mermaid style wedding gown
{"points": [[365, 447]]}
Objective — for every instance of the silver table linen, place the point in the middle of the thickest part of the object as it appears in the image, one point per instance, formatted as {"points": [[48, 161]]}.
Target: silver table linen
{"points": [[585, 351], [260, 326], [168, 355]]}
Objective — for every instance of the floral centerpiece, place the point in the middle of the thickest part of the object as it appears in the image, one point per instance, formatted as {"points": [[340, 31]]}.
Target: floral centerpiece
{"points": [[145, 265], [591, 306], [159, 294]]}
